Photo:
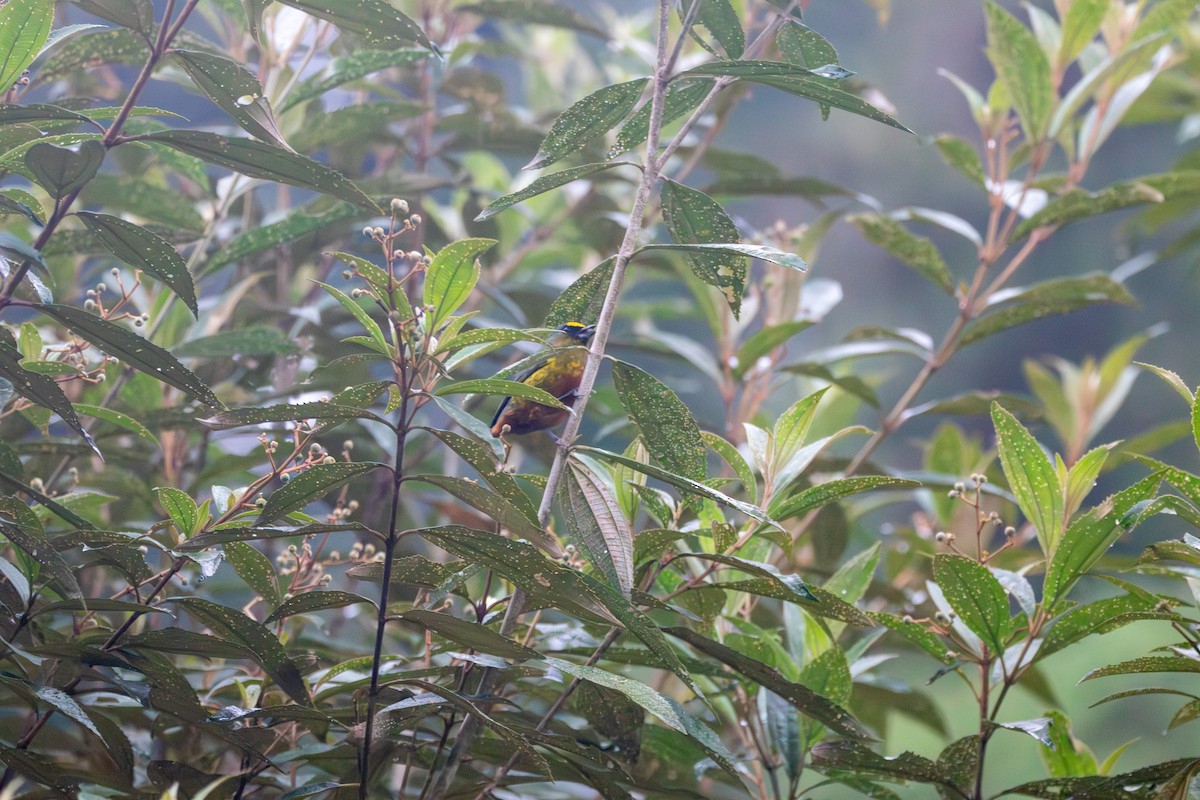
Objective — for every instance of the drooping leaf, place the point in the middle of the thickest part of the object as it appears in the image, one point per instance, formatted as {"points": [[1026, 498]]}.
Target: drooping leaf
{"points": [[656, 703], [492, 503], [594, 520], [264, 161], [587, 120], [805, 700], [811, 84], [324, 413], [136, 351], [917, 252], [1046, 299], [41, 552], [141, 249], [312, 484], [42, 390], [1079, 204], [823, 494], [476, 636], [722, 21], [789, 582], [262, 644], [255, 570], [527, 567], [682, 483], [256, 340], [495, 386], [681, 97], [451, 276], [220, 536], [308, 602], [849, 755], [693, 217], [761, 252], [803, 46], [238, 93]]}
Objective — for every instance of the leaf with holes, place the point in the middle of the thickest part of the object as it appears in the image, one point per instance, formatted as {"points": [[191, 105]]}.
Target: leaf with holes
{"points": [[545, 184], [693, 217]]}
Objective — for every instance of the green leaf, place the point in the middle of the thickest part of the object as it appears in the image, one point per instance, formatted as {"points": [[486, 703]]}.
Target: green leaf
{"points": [[451, 276], [309, 602], [1090, 536], [594, 520], [137, 15], [917, 252], [349, 68], [587, 120], [325, 413], [847, 755], [138, 248], [763, 341], [535, 12], [264, 161], [255, 570], [1095, 617], [180, 507], [19, 201], [916, 634], [240, 534], [722, 21], [360, 314], [24, 28], [680, 98], [734, 459], [41, 390], [378, 22], [493, 504], [1080, 24], [1031, 477], [61, 171], [545, 184], [238, 93], [50, 562], [976, 597], [792, 584], [484, 461], [495, 386], [795, 80], [682, 483], [1111, 787], [471, 634], [262, 644], [658, 704], [823, 494], [803, 46], [1022, 67], [805, 700], [761, 252], [312, 484], [667, 427], [693, 217], [256, 340], [1145, 664], [583, 299], [1079, 204], [134, 350], [525, 566]]}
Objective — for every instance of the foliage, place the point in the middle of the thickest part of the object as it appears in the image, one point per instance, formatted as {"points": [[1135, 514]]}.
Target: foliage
{"points": [[258, 540]]}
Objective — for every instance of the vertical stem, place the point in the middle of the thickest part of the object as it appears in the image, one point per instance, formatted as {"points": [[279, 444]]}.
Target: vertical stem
{"points": [[652, 166], [985, 730]]}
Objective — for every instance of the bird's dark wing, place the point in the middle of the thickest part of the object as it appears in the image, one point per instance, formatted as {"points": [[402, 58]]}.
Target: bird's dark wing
{"points": [[520, 377]]}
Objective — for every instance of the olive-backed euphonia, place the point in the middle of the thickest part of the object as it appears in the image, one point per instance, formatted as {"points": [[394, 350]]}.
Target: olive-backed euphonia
{"points": [[559, 375]]}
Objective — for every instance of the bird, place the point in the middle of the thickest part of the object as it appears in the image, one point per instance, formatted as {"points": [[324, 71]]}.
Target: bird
{"points": [[559, 374]]}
